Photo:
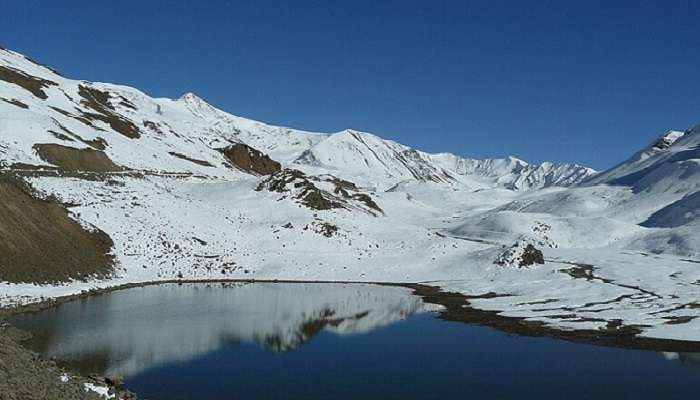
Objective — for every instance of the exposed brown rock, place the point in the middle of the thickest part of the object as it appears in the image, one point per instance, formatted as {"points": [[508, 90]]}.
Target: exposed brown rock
{"points": [[531, 256], [105, 112], [305, 191], [59, 135], [521, 254], [190, 159], [42, 243], [70, 136], [98, 143], [325, 229], [367, 200], [33, 84], [14, 102], [345, 194], [61, 111], [251, 160], [72, 159]]}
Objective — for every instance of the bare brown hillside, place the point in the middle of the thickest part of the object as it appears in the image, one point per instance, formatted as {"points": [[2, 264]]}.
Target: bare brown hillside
{"points": [[72, 159], [40, 242]]}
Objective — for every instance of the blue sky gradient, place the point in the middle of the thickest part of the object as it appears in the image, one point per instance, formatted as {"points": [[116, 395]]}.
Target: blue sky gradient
{"points": [[587, 81]]}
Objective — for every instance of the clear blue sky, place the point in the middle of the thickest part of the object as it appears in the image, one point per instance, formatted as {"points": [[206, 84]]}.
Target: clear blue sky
{"points": [[582, 81]]}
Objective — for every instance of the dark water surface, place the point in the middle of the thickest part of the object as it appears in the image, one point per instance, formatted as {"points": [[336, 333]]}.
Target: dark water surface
{"points": [[331, 341]]}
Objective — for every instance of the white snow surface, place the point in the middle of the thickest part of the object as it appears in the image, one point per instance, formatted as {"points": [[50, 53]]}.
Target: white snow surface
{"points": [[103, 391], [445, 220]]}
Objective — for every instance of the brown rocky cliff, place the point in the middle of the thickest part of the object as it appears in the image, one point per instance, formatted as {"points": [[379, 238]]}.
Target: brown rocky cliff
{"points": [[251, 160]]}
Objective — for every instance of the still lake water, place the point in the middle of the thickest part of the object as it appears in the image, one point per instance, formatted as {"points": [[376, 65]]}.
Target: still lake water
{"points": [[219, 341]]}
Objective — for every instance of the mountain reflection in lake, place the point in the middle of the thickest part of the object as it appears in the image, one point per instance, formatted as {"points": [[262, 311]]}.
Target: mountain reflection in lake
{"points": [[214, 341], [127, 331]]}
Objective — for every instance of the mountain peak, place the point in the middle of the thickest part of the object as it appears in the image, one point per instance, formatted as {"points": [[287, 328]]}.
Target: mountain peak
{"points": [[351, 154], [190, 97], [516, 160], [667, 139], [198, 106]]}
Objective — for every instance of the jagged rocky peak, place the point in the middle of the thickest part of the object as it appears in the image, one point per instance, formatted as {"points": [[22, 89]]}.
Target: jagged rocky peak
{"points": [[514, 173], [667, 140]]}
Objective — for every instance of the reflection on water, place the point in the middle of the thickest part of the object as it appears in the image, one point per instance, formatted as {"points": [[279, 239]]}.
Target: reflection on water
{"points": [[331, 341], [128, 331], [689, 359]]}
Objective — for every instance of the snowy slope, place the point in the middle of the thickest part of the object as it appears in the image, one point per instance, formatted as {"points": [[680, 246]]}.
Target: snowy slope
{"points": [[668, 169], [191, 127], [663, 150], [665, 180], [351, 206], [366, 158]]}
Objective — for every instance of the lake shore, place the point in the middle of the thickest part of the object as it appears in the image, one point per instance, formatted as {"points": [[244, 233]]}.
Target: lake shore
{"points": [[457, 307], [35, 378], [24, 375]]}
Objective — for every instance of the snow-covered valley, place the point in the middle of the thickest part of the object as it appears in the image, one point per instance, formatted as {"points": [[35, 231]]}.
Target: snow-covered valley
{"points": [[187, 191]]}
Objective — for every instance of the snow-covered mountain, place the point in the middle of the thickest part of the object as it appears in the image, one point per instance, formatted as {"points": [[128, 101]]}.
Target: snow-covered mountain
{"points": [[513, 173], [665, 178], [179, 189], [366, 158], [674, 154], [143, 132], [666, 173]]}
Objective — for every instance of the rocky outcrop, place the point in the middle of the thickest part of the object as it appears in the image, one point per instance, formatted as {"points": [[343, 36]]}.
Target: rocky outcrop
{"points": [[99, 101], [322, 192], [521, 254], [667, 140], [251, 160], [33, 84], [71, 159], [301, 188]]}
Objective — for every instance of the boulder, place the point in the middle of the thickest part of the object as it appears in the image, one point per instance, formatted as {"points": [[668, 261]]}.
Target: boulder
{"points": [[521, 254]]}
